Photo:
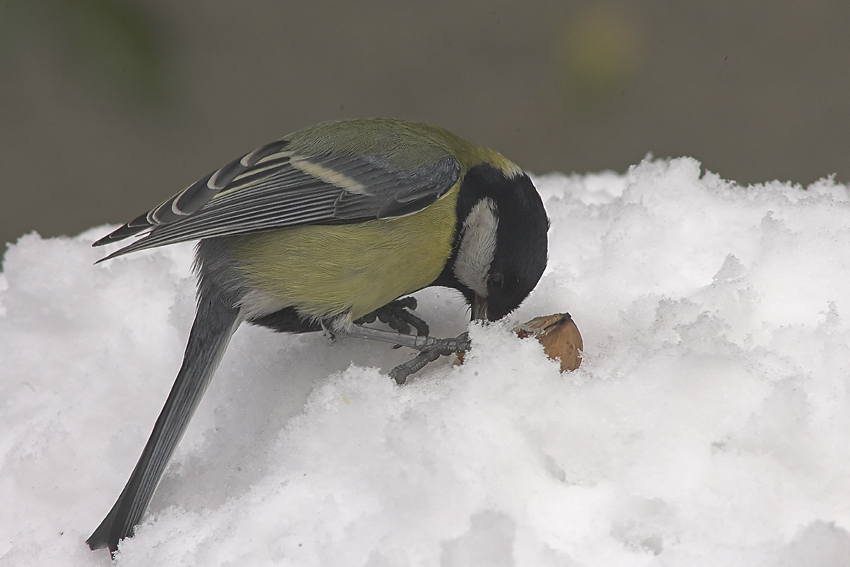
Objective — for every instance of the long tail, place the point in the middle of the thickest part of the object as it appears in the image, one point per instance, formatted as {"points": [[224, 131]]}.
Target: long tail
{"points": [[215, 322]]}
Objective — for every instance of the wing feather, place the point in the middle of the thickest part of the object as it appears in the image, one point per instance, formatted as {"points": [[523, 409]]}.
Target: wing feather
{"points": [[274, 187]]}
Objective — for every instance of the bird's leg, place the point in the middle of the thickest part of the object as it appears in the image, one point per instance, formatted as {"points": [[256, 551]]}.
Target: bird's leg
{"points": [[396, 315], [402, 371], [430, 348]]}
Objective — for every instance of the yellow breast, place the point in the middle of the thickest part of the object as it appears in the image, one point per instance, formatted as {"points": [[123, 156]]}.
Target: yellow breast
{"points": [[325, 271]]}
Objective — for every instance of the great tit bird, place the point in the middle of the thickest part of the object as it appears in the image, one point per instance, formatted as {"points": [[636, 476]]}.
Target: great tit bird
{"points": [[318, 230]]}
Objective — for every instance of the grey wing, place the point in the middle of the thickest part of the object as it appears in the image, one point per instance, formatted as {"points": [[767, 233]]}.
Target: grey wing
{"points": [[272, 188]]}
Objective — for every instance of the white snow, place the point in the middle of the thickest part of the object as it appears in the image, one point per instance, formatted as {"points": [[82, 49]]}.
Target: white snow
{"points": [[708, 425]]}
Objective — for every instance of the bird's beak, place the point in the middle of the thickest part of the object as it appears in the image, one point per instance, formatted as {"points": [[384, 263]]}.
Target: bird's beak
{"points": [[479, 308]]}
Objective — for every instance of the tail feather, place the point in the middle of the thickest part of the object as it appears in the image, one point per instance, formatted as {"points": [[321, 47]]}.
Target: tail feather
{"points": [[215, 322]]}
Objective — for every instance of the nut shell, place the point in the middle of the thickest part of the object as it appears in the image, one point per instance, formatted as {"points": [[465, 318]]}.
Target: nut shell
{"points": [[559, 336]]}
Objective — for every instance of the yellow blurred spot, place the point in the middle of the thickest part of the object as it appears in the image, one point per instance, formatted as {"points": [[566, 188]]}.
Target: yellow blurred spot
{"points": [[346, 400], [596, 53]]}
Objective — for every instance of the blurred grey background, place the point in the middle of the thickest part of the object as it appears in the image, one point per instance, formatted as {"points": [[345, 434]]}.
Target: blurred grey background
{"points": [[109, 106]]}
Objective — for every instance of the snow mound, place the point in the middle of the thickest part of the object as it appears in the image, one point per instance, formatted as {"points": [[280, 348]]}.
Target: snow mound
{"points": [[707, 425]]}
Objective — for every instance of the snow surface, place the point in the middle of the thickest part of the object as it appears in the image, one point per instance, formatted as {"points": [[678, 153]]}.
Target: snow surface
{"points": [[709, 424]]}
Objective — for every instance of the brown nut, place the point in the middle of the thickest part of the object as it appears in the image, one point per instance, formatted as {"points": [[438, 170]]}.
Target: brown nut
{"points": [[559, 336]]}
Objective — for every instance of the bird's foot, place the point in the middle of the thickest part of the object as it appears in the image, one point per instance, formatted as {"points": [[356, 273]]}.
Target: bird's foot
{"points": [[397, 315], [430, 348], [440, 347]]}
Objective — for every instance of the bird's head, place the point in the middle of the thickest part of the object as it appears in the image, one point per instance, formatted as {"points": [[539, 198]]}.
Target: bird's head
{"points": [[501, 244]]}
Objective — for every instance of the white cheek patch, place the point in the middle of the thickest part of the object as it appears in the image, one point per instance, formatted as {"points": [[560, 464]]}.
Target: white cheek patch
{"points": [[477, 246]]}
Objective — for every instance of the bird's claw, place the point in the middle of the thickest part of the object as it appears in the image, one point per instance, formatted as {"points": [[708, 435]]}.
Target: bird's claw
{"points": [[429, 352], [430, 348], [397, 315]]}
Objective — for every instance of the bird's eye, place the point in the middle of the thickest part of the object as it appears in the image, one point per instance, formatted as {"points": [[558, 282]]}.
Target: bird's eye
{"points": [[497, 280]]}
